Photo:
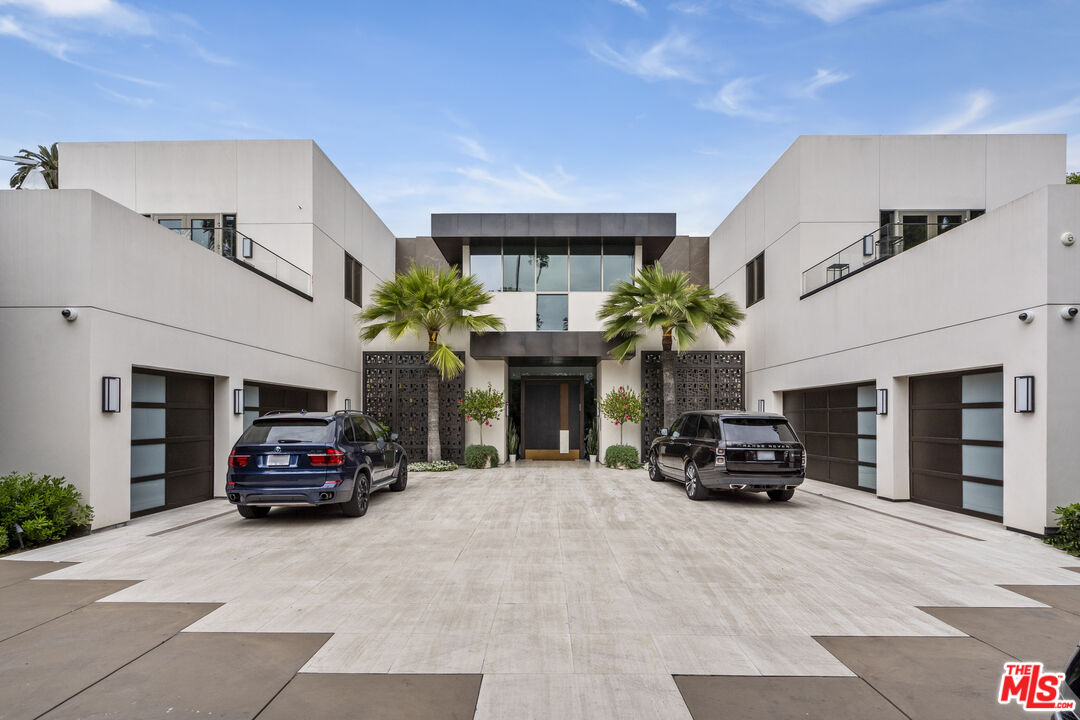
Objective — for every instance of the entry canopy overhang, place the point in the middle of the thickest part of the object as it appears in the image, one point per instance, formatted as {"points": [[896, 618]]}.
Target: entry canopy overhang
{"points": [[654, 231], [554, 344]]}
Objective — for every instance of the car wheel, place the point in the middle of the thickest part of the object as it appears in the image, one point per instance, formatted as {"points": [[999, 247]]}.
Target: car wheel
{"points": [[781, 495], [654, 468], [357, 505], [694, 489], [253, 511], [402, 476]]}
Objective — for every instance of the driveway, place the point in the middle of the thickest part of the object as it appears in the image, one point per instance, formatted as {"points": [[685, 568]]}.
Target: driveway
{"points": [[546, 590]]}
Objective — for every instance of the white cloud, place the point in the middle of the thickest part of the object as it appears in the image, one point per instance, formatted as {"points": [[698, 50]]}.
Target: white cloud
{"points": [[976, 104], [473, 149], [1050, 120], [822, 79], [834, 11], [697, 8], [108, 13], [734, 100], [140, 102], [11, 28], [521, 186], [203, 54], [633, 5], [669, 58]]}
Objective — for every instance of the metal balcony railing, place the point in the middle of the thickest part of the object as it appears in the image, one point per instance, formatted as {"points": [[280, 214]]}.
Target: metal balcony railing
{"points": [[244, 250], [882, 244]]}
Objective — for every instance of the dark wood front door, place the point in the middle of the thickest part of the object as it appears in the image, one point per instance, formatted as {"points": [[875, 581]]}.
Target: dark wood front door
{"points": [[552, 418]]}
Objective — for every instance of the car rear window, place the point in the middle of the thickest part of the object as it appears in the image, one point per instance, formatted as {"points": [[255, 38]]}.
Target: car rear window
{"points": [[757, 430], [289, 431]]}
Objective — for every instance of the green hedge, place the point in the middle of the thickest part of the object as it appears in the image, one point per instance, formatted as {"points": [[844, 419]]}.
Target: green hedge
{"points": [[437, 466], [622, 456], [46, 507], [476, 456], [1068, 535]]}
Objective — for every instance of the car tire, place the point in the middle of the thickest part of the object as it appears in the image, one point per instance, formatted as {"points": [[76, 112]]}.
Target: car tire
{"points": [[253, 511], [357, 505], [655, 473], [694, 489], [402, 476], [781, 495]]}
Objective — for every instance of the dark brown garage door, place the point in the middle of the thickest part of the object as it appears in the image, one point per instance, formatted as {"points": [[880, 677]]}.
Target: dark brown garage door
{"points": [[172, 440], [261, 398], [838, 425], [957, 428]]}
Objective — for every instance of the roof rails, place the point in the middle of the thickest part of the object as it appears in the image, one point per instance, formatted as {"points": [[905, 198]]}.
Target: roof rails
{"points": [[302, 411]]}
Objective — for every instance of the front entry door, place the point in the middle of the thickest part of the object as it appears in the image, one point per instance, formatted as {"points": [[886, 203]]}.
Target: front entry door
{"points": [[551, 418]]}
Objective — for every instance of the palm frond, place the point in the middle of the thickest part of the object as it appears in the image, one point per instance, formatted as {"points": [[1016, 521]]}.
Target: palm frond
{"points": [[441, 357]]}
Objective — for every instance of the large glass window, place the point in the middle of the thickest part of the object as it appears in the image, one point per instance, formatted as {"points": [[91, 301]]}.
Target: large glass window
{"points": [[551, 312], [551, 272], [518, 265], [485, 263], [585, 273], [618, 261], [202, 232]]}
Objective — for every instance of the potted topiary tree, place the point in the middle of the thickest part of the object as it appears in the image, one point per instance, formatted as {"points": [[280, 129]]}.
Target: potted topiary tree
{"points": [[481, 407], [591, 443], [621, 407], [511, 439]]}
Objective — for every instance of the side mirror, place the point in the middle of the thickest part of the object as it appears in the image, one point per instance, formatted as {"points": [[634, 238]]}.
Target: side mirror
{"points": [[393, 437], [663, 431]]}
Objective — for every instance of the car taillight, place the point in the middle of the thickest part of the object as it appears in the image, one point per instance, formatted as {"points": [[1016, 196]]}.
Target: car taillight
{"points": [[332, 456], [721, 459], [238, 460]]}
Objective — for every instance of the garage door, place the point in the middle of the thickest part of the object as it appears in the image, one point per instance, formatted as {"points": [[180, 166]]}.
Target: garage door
{"points": [[172, 440], [838, 425], [957, 428], [261, 398]]}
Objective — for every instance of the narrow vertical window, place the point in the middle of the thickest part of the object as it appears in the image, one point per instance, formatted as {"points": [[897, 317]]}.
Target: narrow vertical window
{"points": [[354, 291], [755, 280]]}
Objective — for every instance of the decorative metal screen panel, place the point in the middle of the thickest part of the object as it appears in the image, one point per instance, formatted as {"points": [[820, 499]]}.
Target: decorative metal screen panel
{"points": [[395, 392], [704, 380]]}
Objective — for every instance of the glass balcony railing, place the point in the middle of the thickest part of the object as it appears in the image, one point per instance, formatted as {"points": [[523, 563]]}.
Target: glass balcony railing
{"points": [[882, 244], [243, 250]]}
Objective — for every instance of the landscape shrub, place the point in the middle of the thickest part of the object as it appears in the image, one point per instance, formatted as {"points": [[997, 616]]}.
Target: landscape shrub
{"points": [[46, 508], [477, 456], [437, 466], [623, 457], [1067, 537]]}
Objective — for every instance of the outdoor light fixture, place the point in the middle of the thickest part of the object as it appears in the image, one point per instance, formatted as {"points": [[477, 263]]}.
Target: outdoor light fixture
{"points": [[110, 394], [238, 401], [248, 249], [761, 405], [882, 401], [1024, 398], [348, 404], [868, 245]]}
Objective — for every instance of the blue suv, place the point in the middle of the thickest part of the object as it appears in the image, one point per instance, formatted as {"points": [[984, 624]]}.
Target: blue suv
{"points": [[307, 458]]}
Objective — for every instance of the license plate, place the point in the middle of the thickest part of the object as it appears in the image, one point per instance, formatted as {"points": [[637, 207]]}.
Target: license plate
{"points": [[277, 460], [766, 454]]}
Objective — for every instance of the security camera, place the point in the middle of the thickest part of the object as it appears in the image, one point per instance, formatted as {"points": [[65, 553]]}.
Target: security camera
{"points": [[1026, 316], [1067, 238], [1069, 313], [69, 314]]}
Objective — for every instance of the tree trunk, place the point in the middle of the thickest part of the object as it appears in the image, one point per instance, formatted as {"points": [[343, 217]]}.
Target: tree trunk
{"points": [[434, 446], [667, 362]]}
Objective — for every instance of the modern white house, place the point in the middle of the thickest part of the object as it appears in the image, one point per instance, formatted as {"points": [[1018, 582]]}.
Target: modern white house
{"points": [[883, 278]]}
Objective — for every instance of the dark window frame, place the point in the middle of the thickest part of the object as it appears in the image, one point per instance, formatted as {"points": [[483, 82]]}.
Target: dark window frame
{"points": [[354, 280], [755, 280]]}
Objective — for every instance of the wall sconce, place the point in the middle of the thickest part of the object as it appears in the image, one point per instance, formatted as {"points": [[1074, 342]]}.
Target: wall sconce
{"points": [[883, 401], [110, 394], [238, 401], [247, 250], [761, 406], [868, 245], [348, 404], [1024, 398]]}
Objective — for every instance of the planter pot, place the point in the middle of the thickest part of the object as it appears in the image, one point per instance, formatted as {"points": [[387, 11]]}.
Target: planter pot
{"points": [[592, 459], [513, 458]]}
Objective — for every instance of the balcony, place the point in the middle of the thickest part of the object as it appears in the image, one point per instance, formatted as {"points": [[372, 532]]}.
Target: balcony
{"points": [[234, 245], [878, 246]]}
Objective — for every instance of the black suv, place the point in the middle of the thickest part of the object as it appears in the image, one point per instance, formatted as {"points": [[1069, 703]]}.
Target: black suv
{"points": [[730, 450], [307, 458]]}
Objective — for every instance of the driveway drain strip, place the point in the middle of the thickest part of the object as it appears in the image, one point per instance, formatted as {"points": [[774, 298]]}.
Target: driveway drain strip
{"points": [[187, 525], [895, 517]]}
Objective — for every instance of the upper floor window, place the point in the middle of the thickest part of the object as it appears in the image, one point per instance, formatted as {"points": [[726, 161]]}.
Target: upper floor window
{"points": [[518, 265], [618, 261], [755, 280], [209, 230], [551, 264], [486, 263], [354, 289]]}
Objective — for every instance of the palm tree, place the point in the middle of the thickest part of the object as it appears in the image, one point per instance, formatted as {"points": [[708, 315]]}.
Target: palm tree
{"points": [[429, 302], [669, 301], [46, 159]]}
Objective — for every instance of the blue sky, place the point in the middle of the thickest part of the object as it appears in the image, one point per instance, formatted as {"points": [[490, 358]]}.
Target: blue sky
{"points": [[543, 106]]}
